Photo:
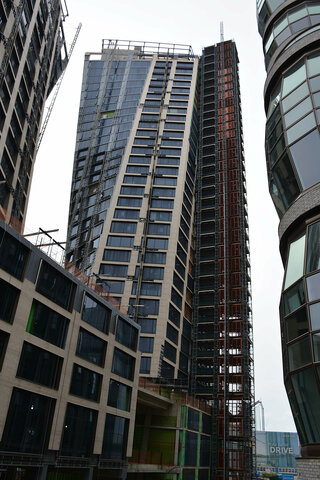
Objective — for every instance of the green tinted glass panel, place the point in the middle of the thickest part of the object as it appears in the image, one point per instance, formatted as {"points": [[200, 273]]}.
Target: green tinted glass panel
{"points": [[313, 248], [300, 128], [293, 78], [293, 298], [314, 311], [297, 112], [308, 400], [295, 96], [313, 63], [316, 346], [297, 324]]}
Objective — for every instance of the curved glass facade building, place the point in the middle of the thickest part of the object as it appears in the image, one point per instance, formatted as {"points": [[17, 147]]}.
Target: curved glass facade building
{"points": [[291, 34]]}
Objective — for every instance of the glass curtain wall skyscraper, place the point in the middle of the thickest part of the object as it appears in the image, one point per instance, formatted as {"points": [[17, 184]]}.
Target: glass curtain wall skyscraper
{"points": [[291, 34], [32, 57], [158, 216]]}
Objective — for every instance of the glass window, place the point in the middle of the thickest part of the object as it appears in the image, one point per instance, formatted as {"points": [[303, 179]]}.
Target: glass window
{"points": [[145, 364], [316, 346], [13, 255], [174, 315], [313, 248], [157, 243], [307, 165], [28, 423], [308, 399], [191, 449], [314, 310], [137, 169], [295, 97], [160, 216], [163, 192], [295, 262], [126, 213], [127, 334], [129, 202], [159, 203], [123, 364], [39, 366], [115, 437], [146, 344], [169, 351], [172, 334], [293, 298], [47, 324], [132, 190], [297, 324], [96, 314], [55, 286], [153, 273], [113, 286], [91, 348], [9, 297], [119, 395], [297, 112], [148, 288], [4, 338], [165, 181], [300, 128], [155, 257], [313, 63], [167, 171], [168, 161], [299, 354], [85, 383], [113, 270], [117, 255], [123, 227], [79, 431], [148, 325], [286, 181], [293, 78], [159, 229], [135, 179], [119, 241], [146, 306], [313, 287]]}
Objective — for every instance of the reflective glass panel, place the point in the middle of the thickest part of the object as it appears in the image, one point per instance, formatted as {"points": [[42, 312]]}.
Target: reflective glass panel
{"points": [[115, 437], [313, 287], [300, 128], [295, 96], [313, 63], [294, 268], [299, 354], [293, 78], [297, 324], [293, 298], [301, 109], [313, 248], [314, 311], [285, 180], [316, 346], [308, 166], [308, 399], [119, 395]]}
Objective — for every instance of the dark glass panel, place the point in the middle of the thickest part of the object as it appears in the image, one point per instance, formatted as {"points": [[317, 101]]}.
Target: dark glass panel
{"points": [[297, 324], [169, 352], [285, 180], [313, 248], [299, 354], [313, 287], [204, 454], [191, 450], [293, 298], [28, 424], [146, 344], [4, 338], [13, 255], [167, 370], [115, 437], [47, 324], [119, 395], [96, 314], [39, 366], [146, 306], [79, 431], [174, 315], [308, 400], [123, 364], [148, 325], [55, 286], [85, 383], [126, 334], [91, 348], [314, 310], [9, 297], [145, 364], [193, 419]]}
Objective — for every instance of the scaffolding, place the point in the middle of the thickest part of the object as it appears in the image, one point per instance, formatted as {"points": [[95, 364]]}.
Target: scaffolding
{"points": [[223, 365]]}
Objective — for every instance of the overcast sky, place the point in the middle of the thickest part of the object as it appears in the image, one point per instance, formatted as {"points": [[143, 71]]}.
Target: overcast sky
{"points": [[196, 23]]}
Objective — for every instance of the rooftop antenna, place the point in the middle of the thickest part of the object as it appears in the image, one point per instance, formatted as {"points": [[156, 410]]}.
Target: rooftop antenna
{"points": [[221, 32]]}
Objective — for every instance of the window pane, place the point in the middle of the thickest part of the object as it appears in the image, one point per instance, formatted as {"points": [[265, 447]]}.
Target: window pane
{"points": [[307, 166], [39, 366], [314, 310], [294, 268], [155, 257], [157, 243], [85, 383], [28, 424], [297, 324], [293, 298], [119, 241], [308, 399], [155, 203], [55, 286], [129, 202], [119, 395], [113, 270], [293, 78], [126, 334], [299, 354], [159, 229], [148, 325], [96, 314], [126, 213], [13, 255], [4, 338], [313, 248], [145, 364], [146, 344], [9, 297], [117, 255], [123, 364], [313, 287], [79, 431], [146, 306], [163, 192], [115, 437], [123, 227], [47, 324], [91, 348]]}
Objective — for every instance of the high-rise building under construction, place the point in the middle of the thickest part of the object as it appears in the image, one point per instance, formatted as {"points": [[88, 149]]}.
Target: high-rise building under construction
{"points": [[158, 215]]}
